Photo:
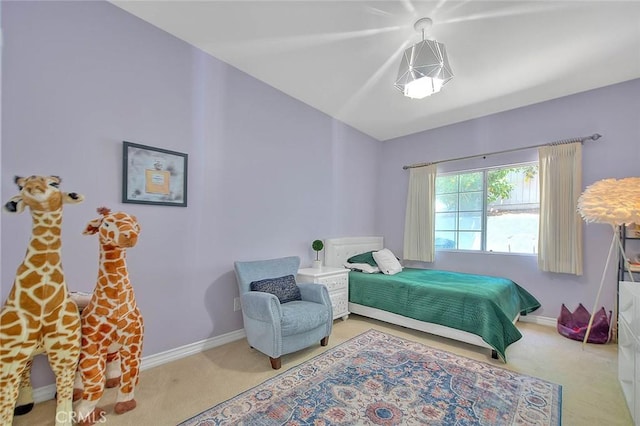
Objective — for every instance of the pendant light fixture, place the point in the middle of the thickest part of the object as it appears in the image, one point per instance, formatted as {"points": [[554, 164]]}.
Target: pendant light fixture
{"points": [[425, 67]]}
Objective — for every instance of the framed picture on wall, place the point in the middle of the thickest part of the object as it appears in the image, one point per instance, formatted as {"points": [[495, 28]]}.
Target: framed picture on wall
{"points": [[153, 175]]}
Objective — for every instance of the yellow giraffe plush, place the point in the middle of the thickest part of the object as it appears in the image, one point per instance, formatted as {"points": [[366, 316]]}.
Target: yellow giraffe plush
{"points": [[25, 401], [112, 319], [38, 314]]}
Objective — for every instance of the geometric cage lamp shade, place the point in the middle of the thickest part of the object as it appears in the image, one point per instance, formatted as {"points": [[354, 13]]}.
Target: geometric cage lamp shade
{"points": [[424, 68]]}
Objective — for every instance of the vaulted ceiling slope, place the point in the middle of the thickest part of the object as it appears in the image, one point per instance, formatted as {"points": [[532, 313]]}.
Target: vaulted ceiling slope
{"points": [[342, 57]]}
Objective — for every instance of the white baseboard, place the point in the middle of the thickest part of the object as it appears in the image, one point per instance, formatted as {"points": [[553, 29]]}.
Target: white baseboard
{"points": [[190, 349], [48, 392], [537, 319]]}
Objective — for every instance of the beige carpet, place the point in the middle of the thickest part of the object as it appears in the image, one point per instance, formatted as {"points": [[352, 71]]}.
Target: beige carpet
{"points": [[174, 392]]}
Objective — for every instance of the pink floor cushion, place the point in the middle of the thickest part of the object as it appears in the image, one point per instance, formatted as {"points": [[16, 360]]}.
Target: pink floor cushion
{"points": [[574, 325]]}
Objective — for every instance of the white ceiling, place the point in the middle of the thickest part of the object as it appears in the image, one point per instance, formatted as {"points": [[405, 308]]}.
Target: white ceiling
{"points": [[342, 57]]}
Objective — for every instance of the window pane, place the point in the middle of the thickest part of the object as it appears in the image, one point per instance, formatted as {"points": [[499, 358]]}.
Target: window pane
{"points": [[471, 201], [447, 203], [446, 184], [469, 240], [513, 232], [470, 221], [513, 185], [446, 221], [471, 182], [513, 209], [445, 240]]}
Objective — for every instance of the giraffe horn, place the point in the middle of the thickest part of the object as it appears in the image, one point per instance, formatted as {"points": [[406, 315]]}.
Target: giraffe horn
{"points": [[103, 210]]}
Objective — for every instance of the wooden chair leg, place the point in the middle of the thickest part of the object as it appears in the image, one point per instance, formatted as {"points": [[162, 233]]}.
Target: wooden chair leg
{"points": [[324, 341], [276, 363]]}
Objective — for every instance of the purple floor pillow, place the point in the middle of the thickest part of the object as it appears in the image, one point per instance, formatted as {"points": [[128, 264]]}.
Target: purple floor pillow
{"points": [[574, 325]]}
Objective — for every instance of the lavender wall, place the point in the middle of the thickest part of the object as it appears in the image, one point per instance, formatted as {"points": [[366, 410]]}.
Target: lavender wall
{"points": [[613, 111], [267, 174]]}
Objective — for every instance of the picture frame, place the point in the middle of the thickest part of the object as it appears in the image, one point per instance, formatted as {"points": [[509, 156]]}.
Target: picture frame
{"points": [[153, 175]]}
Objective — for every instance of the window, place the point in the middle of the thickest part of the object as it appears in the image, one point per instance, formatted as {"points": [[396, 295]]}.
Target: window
{"points": [[494, 209]]}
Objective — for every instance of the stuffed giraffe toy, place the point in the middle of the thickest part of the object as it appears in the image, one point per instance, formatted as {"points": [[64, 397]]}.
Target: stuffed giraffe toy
{"points": [[112, 319], [25, 401], [38, 315]]}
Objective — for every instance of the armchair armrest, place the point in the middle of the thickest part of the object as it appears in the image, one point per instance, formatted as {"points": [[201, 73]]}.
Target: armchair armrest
{"points": [[261, 306], [312, 292]]}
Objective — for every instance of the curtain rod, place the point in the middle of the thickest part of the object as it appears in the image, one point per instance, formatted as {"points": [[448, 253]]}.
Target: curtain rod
{"points": [[583, 139]]}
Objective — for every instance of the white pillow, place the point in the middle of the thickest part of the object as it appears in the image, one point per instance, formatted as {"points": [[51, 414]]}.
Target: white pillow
{"points": [[387, 261], [362, 267]]}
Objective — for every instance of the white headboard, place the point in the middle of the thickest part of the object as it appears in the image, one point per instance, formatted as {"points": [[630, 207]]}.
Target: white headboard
{"points": [[338, 250]]}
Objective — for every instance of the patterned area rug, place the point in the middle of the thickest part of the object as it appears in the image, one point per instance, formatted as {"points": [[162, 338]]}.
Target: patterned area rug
{"points": [[379, 379]]}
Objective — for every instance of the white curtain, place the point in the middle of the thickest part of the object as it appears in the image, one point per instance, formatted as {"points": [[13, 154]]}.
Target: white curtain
{"points": [[560, 229], [419, 225]]}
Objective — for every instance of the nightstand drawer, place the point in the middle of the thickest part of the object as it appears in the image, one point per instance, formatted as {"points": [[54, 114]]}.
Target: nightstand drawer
{"points": [[339, 282]]}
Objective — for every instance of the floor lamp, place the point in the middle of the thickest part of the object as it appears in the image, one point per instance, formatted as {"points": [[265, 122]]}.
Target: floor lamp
{"points": [[616, 202]]}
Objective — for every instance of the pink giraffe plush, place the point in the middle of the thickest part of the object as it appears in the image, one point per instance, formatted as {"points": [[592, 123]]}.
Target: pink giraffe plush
{"points": [[38, 315], [111, 321]]}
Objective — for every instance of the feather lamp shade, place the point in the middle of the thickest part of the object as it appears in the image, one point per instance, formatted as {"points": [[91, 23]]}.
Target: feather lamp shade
{"points": [[612, 201]]}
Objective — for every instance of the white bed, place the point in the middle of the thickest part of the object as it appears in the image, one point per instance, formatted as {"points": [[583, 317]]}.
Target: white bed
{"points": [[338, 250]]}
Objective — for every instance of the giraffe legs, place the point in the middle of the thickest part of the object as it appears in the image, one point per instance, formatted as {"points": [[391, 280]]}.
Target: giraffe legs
{"points": [[92, 366], [112, 373], [10, 377], [113, 368], [62, 345], [24, 403], [130, 353], [13, 358]]}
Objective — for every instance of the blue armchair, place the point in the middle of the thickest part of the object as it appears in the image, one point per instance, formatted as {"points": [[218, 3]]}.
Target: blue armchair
{"points": [[277, 329]]}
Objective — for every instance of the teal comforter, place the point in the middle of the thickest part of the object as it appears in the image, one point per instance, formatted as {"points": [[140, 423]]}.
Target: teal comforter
{"points": [[478, 304]]}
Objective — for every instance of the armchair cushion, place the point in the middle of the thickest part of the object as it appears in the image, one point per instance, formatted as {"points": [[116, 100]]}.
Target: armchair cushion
{"points": [[284, 288], [301, 317]]}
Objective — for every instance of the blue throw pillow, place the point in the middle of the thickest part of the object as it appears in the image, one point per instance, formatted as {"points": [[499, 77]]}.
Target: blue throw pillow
{"points": [[284, 288]]}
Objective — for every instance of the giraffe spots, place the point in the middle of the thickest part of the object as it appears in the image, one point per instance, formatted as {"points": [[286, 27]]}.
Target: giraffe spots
{"points": [[69, 320], [31, 279], [29, 303], [37, 245], [102, 311], [8, 317], [38, 260], [87, 349], [57, 276], [11, 330], [110, 293], [89, 322], [34, 336], [39, 230], [112, 255], [105, 329], [64, 347]]}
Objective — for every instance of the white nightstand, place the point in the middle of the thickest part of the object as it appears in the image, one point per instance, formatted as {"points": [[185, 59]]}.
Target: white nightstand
{"points": [[337, 282]]}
